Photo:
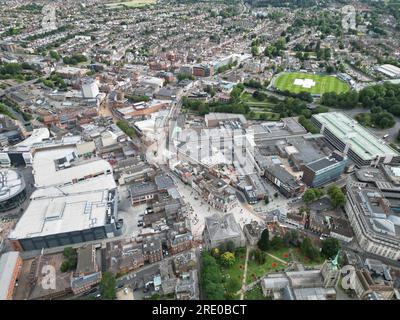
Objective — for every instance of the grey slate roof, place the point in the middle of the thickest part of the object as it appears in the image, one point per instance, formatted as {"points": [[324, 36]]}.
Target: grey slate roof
{"points": [[221, 228]]}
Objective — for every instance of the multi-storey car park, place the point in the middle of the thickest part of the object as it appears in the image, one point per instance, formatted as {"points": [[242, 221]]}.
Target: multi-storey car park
{"points": [[349, 137]]}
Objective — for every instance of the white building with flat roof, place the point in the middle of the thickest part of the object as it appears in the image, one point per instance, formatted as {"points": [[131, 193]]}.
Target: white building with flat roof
{"points": [[351, 138], [75, 201], [389, 70], [62, 165], [90, 89]]}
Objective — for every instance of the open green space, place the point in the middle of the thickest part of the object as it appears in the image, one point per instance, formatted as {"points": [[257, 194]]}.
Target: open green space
{"points": [[293, 254], [255, 293], [131, 4], [255, 270], [235, 271], [249, 100], [298, 256], [323, 83], [259, 110]]}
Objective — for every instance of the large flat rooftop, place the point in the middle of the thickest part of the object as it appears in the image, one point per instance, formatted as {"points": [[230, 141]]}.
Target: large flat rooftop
{"points": [[277, 130], [60, 165], [322, 163], [379, 213], [362, 141], [62, 209]]}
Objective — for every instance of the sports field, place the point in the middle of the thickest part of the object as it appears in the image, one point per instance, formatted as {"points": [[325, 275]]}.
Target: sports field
{"points": [[314, 83], [131, 4]]}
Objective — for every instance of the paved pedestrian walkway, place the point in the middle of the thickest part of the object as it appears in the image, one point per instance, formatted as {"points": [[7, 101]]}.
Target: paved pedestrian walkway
{"points": [[244, 275], [279, 259]]}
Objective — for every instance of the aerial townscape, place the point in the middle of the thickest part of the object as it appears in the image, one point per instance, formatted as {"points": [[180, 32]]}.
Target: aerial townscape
{"points": [[199, 150]]}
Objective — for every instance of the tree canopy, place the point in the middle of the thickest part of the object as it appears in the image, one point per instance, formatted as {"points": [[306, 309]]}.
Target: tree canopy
{"points": [[70, 261], [211, 278], [330, 247], [337, 196], [107, 286], [227, 259], [291, 238], [309, 250], [277, 243], [263, 243], [312, 194]]}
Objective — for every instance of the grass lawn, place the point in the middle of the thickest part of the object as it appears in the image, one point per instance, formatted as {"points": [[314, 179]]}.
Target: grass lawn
{"points": [[254, 270], [259, 108], [255, 294], [283, 254], [266, 105], [323, 83], [236, 270], [131, 4], [248, 99], [271, 264]]}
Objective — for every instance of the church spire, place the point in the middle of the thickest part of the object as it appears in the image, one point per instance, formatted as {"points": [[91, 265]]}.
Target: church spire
{"points": [[334, 262]]}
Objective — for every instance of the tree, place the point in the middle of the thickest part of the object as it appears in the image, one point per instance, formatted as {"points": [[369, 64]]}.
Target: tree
{"points": [[11, 68], [260, 96], [330, 69], [215, 252], [211, 278], [253, 84], [280, 43], [330, 247], [255, 51], [232, 286], [183, 76], [308, 125], [327, 54], [230, 246], [70, 261], [228, 259], [337, 196], [291, 238], [309, 250], [222, 247], [312, 194], [299, 55], [126, 128], [107, 286], [263, 243], [309, 196], [240, 251], [258, 256], [55, 55], [236, 92], [277, 243]]}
